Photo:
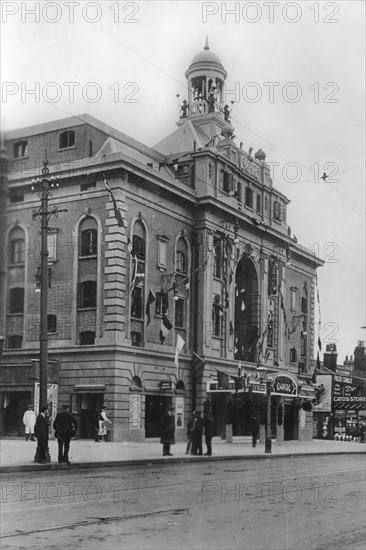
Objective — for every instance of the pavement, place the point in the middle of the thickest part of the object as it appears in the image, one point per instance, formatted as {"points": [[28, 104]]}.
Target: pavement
{"points": [[17, 455]]}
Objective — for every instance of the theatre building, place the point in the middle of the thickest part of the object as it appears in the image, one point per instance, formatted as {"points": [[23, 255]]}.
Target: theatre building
{"points": [[168, 267]]}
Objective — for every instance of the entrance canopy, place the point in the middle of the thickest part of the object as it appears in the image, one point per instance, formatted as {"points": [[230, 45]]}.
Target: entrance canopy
{"points": [[281, 384]]}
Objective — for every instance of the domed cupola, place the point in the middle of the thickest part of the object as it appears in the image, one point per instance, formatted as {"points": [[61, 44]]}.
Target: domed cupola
{"points": [[206, 85]]}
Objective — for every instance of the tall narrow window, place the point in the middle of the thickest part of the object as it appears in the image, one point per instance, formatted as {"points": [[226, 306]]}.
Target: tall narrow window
{"points": [[217, 266], [87, 294], [179, 313], [89, 243], [162, 250], [51, 323], [16, 300], [249, 197], [216, 318], [161, 303], [17, 251]]}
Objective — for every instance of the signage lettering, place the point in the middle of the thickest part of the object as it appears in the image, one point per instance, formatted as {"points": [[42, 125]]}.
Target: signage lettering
{"points": [[250, 167]]}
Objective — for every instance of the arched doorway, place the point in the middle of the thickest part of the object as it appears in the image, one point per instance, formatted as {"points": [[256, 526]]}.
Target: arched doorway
{"points": [[247, 310]]}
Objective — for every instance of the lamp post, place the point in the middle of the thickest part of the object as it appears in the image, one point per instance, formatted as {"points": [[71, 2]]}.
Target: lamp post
{"points": [[262, 371], [45, 184]]}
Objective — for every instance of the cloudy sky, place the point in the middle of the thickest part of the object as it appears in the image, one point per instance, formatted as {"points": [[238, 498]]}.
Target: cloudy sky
{"points": [[295, 75]]}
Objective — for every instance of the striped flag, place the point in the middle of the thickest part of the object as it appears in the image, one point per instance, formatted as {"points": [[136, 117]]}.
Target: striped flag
{"points": [[178, 349], [117, 212]]}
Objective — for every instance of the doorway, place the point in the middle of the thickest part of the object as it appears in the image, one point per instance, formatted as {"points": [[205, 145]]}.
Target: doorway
{"points": [[289, 422], [155, 407], [14, 406], [89, 405]]}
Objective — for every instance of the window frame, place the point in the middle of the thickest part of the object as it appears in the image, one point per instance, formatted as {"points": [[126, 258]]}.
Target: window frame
{"points": [[82, 286], [67, 134]]}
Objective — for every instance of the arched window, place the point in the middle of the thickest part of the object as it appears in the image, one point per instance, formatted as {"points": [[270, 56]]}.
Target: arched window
{"points": [[16, 247], [181, 260], [88, 240]]}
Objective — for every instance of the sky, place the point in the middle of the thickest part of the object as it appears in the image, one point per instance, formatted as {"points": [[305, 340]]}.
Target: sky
{"points": [[296, 77]]}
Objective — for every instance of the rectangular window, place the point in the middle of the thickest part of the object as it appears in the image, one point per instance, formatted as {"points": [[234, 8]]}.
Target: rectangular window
{"points": [[136, 302], [67, 139], [216, 319], [15, 341], [136, 339], [89, 242], [87, 186], [217, 266], [249, 197], [20, 149], [87, 338], [87, 294], [16, 300], [179, 313], [138, 247], [293, 298], [52, 245], [51, 323], [278, 211], [258, 203], [181, 265], [161, 304], [162, 252], [17, 252], [16, 195]]}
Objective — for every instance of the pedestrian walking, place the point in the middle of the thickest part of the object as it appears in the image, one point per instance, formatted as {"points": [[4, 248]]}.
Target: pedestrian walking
{"points": [[254, 429], [189, 433], [29, 420], [197, 432], [208, 426], [65, 427], [103, 420], [167, 430], [41, 432]]}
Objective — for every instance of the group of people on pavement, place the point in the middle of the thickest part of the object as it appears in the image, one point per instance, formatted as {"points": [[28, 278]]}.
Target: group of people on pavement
{"points": [[195, 428], [65, 427]]}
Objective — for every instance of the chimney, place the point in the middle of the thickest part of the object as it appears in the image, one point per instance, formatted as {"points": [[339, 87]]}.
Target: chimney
{"points": [[330, 357]]}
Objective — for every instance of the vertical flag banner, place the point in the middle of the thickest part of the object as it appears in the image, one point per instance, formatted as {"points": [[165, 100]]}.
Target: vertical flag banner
{"points": [[150, 299], [117, 212], [165, 328], [178, 349]]}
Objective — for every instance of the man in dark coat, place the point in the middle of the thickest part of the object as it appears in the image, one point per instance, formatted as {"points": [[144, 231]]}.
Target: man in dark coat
{"points": [[167, 429], [65, 428], [41, 432], [189, 433], [208, 426], [197, 432], [254, 428]]}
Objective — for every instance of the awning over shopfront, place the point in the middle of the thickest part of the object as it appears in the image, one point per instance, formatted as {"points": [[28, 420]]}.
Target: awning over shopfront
{"points": [[282, 385]]}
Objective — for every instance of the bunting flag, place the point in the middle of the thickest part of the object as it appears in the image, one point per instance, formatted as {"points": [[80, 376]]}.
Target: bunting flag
{"points": [[150, 299], [319, 344], [165, 328], [261, 341], [282, 306], [231, 328], [137, 273], [227, 300], [223, 380], [117, 212], [266, 356], [178, 349], [198, 361], [187, 288]]}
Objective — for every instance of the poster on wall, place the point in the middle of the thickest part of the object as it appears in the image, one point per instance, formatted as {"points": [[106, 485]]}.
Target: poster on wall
{"points": [[135, 411], [52, 400], [179, 412], [325, 402]]}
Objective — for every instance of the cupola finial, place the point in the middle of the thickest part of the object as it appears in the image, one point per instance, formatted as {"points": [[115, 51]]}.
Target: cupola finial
{"points": [[207, 47]]}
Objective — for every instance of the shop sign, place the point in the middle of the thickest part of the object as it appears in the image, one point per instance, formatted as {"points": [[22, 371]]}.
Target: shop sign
{"points": [[166, 385], [213, 386], [307, 392], [284, 385], [325, 401], [256, 387]]}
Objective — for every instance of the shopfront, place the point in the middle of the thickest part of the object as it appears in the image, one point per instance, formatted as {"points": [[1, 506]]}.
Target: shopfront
{"points": [[291, 416]]}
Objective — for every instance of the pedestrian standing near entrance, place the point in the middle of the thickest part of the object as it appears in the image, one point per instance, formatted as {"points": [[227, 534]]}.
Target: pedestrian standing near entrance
{"points": [[167, 430], [41, 433], [189, 433], [65, 427], [254, 428], [29, 420], [103, 420], [208, 426], [197, 433]]}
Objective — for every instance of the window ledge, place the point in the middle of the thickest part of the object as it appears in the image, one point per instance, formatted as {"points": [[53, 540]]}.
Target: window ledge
{"points": [[66, 148], [89, 257]]}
